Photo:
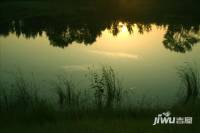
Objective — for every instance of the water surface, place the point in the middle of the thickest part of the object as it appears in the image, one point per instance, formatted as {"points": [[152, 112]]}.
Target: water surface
{"points": [[145, 56]]}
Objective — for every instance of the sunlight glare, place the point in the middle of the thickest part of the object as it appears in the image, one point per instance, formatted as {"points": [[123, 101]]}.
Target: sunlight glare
{"points": [[123, 28]]}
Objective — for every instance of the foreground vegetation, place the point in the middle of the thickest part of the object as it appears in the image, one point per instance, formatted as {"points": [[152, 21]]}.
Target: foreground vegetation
{"points": [[23, 109], [99, 126]]}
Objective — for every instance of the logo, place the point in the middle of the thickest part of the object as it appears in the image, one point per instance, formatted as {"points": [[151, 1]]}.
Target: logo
{"points": [[166, 118]]}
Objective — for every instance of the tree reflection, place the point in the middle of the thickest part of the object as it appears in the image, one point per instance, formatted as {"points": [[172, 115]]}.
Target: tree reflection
{"points": [[181, 38], [63, 32], [144, 28], [70, 35]]}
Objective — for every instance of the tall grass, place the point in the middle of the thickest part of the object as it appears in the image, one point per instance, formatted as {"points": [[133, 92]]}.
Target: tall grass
{"points": [[108, 90], [68, 97], [22, 98], [190, 82], [4, 104]]}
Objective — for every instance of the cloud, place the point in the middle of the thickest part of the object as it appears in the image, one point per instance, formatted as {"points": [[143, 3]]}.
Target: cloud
{"points": [[76, 67], [116, 54]]}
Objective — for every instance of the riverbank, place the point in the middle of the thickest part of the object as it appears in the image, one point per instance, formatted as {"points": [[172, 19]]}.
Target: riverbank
{"points": [[23, 9]]}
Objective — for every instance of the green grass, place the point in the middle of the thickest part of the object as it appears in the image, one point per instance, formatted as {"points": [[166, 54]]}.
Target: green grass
{"points": [[23, 110], [108, 90], [99, 126], [190, 83], [104, 97]]}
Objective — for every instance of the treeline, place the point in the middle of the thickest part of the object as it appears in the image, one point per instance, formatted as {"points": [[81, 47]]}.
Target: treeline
{"points": [[126, 1], [122, 3]]}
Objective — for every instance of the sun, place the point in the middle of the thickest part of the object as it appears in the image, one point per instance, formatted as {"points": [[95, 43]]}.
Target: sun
{"points": [[123, 27]]}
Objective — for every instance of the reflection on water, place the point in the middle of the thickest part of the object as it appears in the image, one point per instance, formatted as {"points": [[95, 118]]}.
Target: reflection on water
{"points": [[136, 50], [181, 38], [61, 33]]}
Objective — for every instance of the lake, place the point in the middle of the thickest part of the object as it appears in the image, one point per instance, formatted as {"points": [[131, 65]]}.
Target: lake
{"points": [[145, 54]]}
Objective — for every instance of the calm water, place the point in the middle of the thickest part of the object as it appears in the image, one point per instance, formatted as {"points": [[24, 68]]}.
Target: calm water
{"points": [[144, 56]]}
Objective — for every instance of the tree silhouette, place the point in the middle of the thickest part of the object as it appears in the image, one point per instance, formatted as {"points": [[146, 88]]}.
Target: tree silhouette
{"points": [[181, 38], [62, 31]]}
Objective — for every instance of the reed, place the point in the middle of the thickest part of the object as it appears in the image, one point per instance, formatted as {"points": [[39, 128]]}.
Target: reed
{"points": [[190, 82], [22, 101], [68, 97], [108, 90]]}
